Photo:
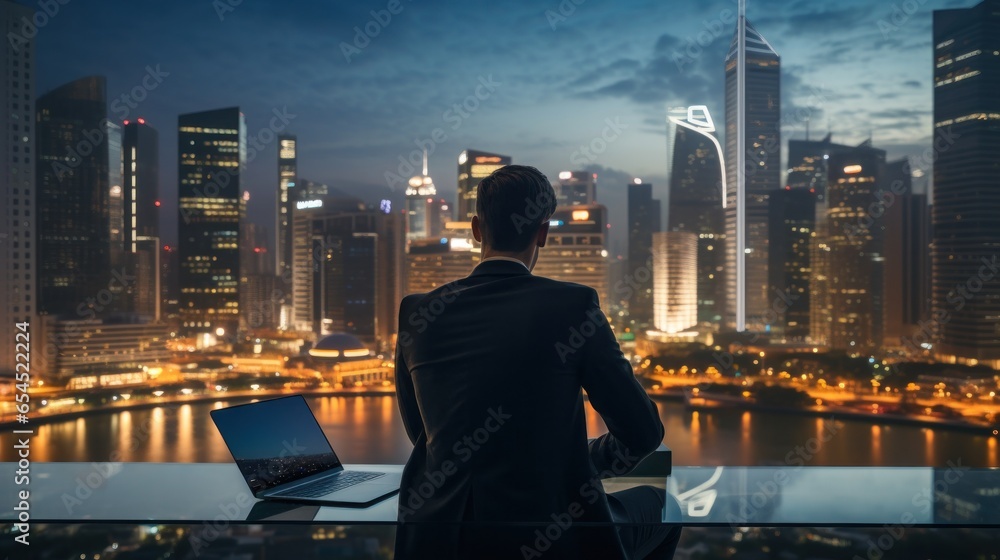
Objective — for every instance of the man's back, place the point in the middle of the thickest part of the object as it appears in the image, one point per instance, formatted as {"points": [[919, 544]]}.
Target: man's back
{"points": [[489, 375]]}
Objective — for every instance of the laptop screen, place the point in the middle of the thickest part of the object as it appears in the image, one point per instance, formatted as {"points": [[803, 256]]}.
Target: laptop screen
{"points": [[275, 441]]}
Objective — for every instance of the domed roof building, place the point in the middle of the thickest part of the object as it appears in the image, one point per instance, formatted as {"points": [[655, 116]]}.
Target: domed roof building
{"points": [[345, 361], [339, 347]]}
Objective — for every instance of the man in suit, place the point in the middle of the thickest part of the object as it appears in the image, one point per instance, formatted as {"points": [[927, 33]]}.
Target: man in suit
{"points": [[490, 373]]}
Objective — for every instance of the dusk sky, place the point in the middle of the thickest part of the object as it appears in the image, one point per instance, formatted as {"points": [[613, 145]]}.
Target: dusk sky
{"points": [[556, 80]]}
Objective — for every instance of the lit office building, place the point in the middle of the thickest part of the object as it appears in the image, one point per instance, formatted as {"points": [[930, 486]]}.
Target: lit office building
{"points": [[966, 182], [287, 195], [439, 216], [420, 197], [792, 233], [576, 187], [473, 166], [141, 216], [90, 353], [855, 288], [675, 282], [211, 148], [695, 205], [432, 263], [808, 164], [643, 222], [576, 250], [907, 260], [347, 266], [75, 198], [762, 156], [18, 262]]}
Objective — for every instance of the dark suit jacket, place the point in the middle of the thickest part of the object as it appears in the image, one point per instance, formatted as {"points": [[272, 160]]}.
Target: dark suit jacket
{"points": [[490, 373]]}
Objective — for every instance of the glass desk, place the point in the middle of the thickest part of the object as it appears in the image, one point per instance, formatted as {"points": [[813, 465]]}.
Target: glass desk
{"points": [[167, 493]]}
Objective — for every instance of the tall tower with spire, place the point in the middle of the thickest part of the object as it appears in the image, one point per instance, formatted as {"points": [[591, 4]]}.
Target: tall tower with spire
{"points": [[753, 161], [420, 195]]}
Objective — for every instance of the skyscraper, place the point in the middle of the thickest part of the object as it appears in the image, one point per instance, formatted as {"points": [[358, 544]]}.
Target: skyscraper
{"points": [[74, 200], [675, 287], [758, 152], [907, 258], [141, 219], [347, 269], [473, 166], [643, 222], [211, 147], [576, 187], [695, 205], [855, 289], [967, 183], [18, 263], [288, 189], [420, 196], [808, 171], [792, 230], [576, 250]]}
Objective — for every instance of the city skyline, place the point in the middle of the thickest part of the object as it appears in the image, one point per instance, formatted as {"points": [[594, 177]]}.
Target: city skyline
{"points": [[632, 82]]}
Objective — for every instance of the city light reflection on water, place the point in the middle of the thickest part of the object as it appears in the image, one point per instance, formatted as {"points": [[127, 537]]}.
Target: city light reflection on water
{"points": [[367, 429]]}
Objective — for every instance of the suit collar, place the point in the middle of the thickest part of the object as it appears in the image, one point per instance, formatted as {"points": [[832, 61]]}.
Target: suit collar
{"points": [[499, 268]]}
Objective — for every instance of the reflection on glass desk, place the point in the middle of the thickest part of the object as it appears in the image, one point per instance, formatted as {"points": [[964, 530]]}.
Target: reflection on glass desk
{"points": [[708, 496]]}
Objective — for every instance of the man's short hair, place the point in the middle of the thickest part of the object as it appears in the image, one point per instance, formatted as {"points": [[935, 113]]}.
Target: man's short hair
{"points": [[512, 204]]}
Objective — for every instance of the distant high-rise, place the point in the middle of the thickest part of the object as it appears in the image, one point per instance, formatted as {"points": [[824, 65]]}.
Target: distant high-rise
{"points": [[576, 187], [420, 196], [74, 200], [576, 250], [211, 148], [792, 231], [643, 222], [761, 160], [967, 183], [855, 286], [18, 261], [675, 286], [473, 166], [695, 205], [347, 269], [288, 195], [808, 171], [141, 215], [907, 259]]}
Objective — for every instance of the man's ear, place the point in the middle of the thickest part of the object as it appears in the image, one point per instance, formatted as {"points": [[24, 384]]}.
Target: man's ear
{"points": [[543, 233], [476, 232]]}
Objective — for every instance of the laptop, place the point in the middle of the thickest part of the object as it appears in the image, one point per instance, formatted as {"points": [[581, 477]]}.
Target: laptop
{"points": [[284, 455]]}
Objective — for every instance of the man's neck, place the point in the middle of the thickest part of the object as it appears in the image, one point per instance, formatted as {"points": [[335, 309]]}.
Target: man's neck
{"points": [[523, 257]]}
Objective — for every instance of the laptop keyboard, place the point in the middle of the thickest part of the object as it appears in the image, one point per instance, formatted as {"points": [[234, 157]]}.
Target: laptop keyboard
{"points": [[332, 484]]}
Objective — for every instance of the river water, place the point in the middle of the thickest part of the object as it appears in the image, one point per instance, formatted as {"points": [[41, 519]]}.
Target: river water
{"points": [[367, 429]]}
